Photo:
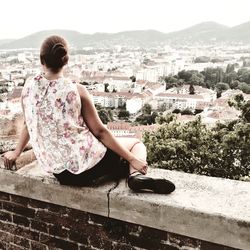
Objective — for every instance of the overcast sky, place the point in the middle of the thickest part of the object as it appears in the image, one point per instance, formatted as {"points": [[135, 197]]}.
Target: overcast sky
{"points": [[19, 18]]}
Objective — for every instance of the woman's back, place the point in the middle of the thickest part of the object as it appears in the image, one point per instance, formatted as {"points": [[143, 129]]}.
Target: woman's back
{"points": [[58, 134]]}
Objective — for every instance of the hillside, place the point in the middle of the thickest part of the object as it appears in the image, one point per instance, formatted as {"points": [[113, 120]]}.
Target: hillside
{"points": [[205, 33]]}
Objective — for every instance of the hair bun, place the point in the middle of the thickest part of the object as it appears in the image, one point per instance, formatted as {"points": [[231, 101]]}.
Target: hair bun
{"points": [[59, 50]]}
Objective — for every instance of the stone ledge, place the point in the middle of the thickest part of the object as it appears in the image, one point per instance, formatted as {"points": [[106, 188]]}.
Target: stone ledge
{"points": [[206, 208]]}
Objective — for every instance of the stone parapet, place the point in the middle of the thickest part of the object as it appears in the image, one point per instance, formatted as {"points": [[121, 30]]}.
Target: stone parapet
{"points": [[203, 213]]}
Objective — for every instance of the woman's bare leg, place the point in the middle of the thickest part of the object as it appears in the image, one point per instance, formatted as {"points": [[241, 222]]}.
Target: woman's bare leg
{"points": [[136, 147]]}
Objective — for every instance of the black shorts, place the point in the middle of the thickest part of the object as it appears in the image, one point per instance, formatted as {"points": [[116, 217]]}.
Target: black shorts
{"points": [[111, 165]]}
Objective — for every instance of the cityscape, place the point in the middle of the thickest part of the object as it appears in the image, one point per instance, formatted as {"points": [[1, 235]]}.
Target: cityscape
{"points": [[125, 79]]}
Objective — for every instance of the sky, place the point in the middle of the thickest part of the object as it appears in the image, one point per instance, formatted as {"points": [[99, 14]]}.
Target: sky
{"points": [[20, 18]]}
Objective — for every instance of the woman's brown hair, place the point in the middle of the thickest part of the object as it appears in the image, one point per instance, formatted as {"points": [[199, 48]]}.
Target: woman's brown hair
{"points": [[54, 53]]}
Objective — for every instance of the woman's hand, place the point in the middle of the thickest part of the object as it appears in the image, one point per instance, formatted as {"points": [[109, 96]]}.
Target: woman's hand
{"points": [[10, 158], [140, 165]]}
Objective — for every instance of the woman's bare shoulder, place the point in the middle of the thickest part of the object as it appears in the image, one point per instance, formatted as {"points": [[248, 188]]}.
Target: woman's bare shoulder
{"points": [[83, 92]]}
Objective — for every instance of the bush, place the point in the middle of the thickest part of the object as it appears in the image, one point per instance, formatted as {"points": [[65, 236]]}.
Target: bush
{"points": [[223, 151]]}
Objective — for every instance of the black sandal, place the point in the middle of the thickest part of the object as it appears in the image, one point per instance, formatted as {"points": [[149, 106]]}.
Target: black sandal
{"points": [[141, 182]]}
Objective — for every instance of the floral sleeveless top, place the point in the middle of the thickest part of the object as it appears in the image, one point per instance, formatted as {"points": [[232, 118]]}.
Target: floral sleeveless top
{"points": [[58, 134]]}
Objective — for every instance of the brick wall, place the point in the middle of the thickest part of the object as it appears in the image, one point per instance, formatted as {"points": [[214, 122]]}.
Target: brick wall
{"points": [[31, 224]]}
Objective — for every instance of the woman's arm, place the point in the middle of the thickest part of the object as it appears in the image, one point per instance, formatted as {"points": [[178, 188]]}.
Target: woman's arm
{"points": [[11, 156], [96, 126]]}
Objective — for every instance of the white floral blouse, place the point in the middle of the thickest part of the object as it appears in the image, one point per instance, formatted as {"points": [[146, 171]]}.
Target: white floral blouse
{"points": [[58, 134]]}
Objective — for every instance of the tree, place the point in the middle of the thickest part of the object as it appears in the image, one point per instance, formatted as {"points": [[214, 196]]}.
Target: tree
{"points": [[146, 119], [165, 118], [176, 111], [230, 68], [162, 107], [123, 114], [133, 78], [3, 90], [202, 59], [106, 85], [191, 89], [105, 115], [222, 151], [146, 109], [186, 111], [221, 86], [234, 84], [244, 106], [244, 87]]}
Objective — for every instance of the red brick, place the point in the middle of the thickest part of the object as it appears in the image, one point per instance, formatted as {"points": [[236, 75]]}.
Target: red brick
{"points": [[4, 216], [181, 240], [46, 216], [78, 216], [53, 242], [18, 209], [14, 247], [38, 246], [57, 230], [20, 231], [83, 247], [6, 237], [20, 220], [211, 246], [37, 204], [121, 246], [19, 241], [99, 242], [56, 219], [3, 245], [98, 219], [57, 209], [19, 200], [4, 196], [78, 236], [39, 226]]}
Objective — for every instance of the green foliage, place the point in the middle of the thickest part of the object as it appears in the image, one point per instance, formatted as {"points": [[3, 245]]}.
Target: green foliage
{"points": [[123, 114], [213, 78], [146, 119], [223, 151], [106, 85], [3, 90], [244, 106], [202, 59], [186, 111], [146, 109], [191, 89], [133, 78], [105, 115]]}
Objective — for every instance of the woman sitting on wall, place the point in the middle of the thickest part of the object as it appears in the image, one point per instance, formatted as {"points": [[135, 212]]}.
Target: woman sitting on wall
{"points": [[68, 138]]}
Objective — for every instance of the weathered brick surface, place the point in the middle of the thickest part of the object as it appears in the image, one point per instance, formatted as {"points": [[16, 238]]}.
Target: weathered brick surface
{"points": [[37, 246], [22, 242], [5, 216], [21, 220], [18, 209], [53, 242], [31, 224], [39, 226]]}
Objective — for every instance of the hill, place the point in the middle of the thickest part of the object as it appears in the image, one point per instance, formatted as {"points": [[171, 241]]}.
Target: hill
{"points": [[202, 32], [205, 33]]}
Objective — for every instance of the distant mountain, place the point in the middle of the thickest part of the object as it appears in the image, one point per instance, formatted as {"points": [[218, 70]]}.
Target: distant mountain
{"points": [[4, 41], [205, 32], [35, 40], [202, 32], [238, 33]]}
